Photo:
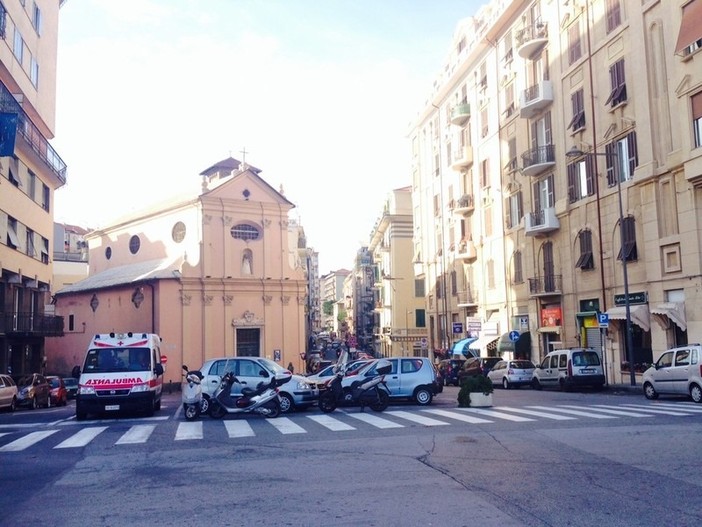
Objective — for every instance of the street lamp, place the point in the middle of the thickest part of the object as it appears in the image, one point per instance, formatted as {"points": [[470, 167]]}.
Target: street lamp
{"points": [[575, 152]]}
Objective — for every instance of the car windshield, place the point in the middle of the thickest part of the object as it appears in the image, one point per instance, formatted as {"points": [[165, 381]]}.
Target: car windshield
{"points": [[26, 381], [521, 364], [70, 381], [117, 360], [55, 383], [586, 358], [272, 367]]}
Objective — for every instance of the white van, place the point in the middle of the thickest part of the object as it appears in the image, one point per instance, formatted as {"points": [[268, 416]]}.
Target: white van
{"points": [[121, 372], [568, 368]]}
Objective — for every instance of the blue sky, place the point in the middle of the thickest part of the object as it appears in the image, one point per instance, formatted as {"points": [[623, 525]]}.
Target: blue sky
{"points": [[319, 93]]}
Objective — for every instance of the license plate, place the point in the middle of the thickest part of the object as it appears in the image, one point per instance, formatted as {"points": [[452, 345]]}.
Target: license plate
{"points": [[587, 370], [109, 407]]}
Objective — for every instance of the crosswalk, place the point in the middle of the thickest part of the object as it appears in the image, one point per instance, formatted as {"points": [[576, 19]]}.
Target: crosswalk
{"points": [[63, 435]]}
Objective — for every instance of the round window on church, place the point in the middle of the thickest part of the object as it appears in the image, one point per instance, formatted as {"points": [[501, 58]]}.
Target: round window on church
{"points": [[134, 244], [178, 232], [244, 231]]}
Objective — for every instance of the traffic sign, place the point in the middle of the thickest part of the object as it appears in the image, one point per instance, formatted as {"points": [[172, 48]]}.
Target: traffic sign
{"points": [[514, 336], [603, 320], [458, 327], [424, 343]]}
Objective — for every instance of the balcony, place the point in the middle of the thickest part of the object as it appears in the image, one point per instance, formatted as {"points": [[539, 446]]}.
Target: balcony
{"points": [[32, 142], [546, 285], [466, 251], [534, 99], [31, 324], [462, 157], [464, 205], [460, 114], [537, 159], [531, 39], [467, 299], [541, 222]]}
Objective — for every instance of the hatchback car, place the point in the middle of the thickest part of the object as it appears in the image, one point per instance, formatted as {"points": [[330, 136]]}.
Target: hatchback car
{"points": [[296, 394], [449, 368], [477, 366], [33, 391], [511, 373], [677, 372], [8, 393], [58, 394], [71, 384], [413, 378]]}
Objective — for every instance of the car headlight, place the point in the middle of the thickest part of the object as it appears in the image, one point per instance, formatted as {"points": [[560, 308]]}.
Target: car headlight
{"points": [[24, 392], [138, 388], [301, 385], [86, 390]]}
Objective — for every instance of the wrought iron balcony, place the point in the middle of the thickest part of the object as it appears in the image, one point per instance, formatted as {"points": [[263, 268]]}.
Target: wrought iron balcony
{"points": [[460, 114], [35, 142], [467, 298], [466, 251], [31, 324], [531, 39], [464, 205], [546, 285], [538, 159], [534, 99], [541, 222]]}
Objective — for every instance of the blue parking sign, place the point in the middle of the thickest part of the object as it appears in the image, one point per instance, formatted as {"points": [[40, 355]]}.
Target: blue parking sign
{"points": [[603, 320]]}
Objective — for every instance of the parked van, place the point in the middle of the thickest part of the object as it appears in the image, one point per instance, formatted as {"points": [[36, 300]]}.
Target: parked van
{"points": [[678, 371], [568, 368], [121, 372]]}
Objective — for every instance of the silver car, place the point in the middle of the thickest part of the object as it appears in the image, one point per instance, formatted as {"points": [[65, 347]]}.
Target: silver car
{"points": [[296, 394], [509, 373], [411, 378], [8, 393]]}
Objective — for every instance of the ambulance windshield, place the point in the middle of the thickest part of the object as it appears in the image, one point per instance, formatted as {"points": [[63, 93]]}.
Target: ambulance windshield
{"points": [[116, 360]]}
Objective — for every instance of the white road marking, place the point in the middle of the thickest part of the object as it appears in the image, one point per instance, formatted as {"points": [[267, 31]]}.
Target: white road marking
{"points": [[136, 434], [458, 416], [602, 408], [545, 415], [426, 421], [238, 429], [285, 425], [26, 441], [573, 412], [498, 415], [656, 410], [374, 420], [82, 437], [189, 430], [331, 423]]}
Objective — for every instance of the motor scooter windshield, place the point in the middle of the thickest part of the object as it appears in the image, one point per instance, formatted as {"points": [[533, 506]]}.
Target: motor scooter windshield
{"points": [[342, 361]]}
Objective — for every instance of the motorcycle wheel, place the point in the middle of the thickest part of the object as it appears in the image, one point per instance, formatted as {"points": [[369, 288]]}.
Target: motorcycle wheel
{"points": [[381, 403], [191, 412], [327, 402], [273, 408], [216, 410]]}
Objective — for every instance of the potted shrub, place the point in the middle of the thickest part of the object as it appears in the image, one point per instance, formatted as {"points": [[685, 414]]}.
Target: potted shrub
{"points": [[476, 390]]}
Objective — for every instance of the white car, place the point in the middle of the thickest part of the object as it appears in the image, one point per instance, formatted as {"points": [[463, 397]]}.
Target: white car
{"points": [[569, 368], [676, 372], [509, 373], [8, 393]]}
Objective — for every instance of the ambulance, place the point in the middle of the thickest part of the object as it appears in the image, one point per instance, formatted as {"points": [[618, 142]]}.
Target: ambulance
{"points": [[122, 372]]}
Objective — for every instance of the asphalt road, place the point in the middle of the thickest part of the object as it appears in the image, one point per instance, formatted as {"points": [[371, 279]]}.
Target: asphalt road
{"points": [[535, 459]]}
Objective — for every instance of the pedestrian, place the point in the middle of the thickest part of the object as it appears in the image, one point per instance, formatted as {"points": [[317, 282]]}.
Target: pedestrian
{"points": [[291, 367]]}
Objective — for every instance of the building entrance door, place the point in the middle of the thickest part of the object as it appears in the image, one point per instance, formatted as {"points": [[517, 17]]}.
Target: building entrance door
{"points": [[248, 342]]}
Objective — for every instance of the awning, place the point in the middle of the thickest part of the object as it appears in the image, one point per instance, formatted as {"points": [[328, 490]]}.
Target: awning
{"points": [[521, 345], [549, 329], [484, 342], [674, 311], [690, 27], [639, 315], [461, 347]]}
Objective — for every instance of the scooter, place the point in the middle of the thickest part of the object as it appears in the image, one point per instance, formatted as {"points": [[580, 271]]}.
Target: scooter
{"points": [[191, 393], [263, 400], [372, 392]]}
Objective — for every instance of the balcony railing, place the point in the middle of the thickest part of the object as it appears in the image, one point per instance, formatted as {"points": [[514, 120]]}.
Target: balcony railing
{"points": [[534, 99], [531, 39], [538, 159], [464, 205], [31, 324], [466, 251], [541, 222], [546, 285], [462, 157], [460, 114], [467, 299], [31, 134]]}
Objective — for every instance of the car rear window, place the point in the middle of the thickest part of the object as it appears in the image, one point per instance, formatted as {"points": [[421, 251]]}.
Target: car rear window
{"points": [[586, 358], [521, 364]]}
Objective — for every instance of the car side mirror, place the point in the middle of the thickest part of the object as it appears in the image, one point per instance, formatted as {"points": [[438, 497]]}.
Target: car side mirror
{"points": [[158, 369], [263, 373]]}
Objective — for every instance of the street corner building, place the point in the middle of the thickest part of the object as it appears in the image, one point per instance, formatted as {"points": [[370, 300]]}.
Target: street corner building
{"points": [[216, 274]]}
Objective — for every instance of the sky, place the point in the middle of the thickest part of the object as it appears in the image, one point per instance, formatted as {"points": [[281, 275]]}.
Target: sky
{"points": [[319, 93]]}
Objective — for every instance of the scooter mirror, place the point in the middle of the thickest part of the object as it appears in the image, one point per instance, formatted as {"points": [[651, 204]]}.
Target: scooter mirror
{"points": [[185, 368]]}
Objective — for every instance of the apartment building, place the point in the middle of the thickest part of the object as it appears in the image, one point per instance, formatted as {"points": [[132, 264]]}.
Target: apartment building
{"points": [[399, 296], [31, 170], [332, 300], [556, 178]]}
